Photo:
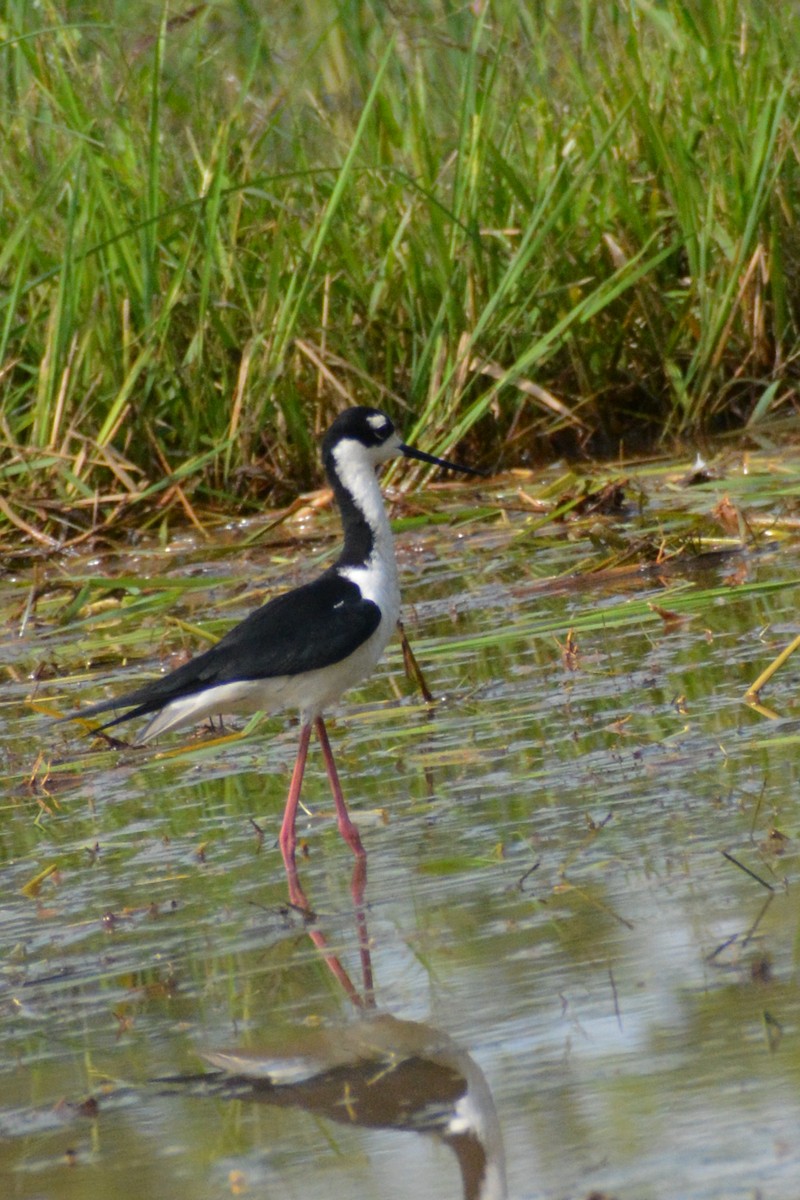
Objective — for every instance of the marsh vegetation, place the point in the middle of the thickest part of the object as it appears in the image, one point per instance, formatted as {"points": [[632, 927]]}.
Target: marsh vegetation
{"points": [[530, 228], [544, 232]]}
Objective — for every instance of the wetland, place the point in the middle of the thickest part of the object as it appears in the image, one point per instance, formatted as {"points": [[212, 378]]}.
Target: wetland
{"points": [[579, 900]]}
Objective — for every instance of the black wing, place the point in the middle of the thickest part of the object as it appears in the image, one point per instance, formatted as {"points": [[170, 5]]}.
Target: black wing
{"points": [[310, 627]]}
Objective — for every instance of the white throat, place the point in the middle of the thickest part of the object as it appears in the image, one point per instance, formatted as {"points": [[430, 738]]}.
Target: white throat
{"points": [[355, 467], [377, 578]]}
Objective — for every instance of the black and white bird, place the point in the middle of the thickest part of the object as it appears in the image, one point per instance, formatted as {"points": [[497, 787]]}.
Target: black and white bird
{"points": [[303, 648]]}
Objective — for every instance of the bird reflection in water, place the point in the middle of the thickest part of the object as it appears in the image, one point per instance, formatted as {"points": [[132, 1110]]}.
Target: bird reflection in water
{"points": [[377, 1071]]}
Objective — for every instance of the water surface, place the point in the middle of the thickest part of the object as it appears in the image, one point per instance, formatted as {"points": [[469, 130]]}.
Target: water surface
{"points": [[581, 860]]}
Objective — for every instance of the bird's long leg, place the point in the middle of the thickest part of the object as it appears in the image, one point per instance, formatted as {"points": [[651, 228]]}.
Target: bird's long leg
{"points": [[287, 839], [346, 827]]}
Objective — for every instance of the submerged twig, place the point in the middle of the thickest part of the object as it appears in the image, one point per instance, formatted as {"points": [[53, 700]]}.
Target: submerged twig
{"points": [[412, 667], [758, 808], [748, 937], [747, 871], [752, 693], [616, 998]]}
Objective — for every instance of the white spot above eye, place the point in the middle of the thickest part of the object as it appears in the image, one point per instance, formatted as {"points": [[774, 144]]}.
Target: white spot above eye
{"points": [[378, 422]]}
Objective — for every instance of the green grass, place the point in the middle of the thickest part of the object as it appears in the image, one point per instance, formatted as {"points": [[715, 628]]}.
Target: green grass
{"points": [[521, 226]]}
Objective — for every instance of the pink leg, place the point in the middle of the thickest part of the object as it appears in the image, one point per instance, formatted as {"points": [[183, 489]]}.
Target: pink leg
{"points": [[346, 827], [287, 839]]}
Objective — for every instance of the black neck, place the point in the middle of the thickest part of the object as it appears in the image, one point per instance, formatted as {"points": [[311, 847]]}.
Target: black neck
{"points": [[358, 536]]}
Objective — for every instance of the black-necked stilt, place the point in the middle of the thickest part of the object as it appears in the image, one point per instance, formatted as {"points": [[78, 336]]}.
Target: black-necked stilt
{"points": [[303, 648]]}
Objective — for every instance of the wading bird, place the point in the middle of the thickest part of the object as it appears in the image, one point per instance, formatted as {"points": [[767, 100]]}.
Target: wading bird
{"points": [[303, 648]]}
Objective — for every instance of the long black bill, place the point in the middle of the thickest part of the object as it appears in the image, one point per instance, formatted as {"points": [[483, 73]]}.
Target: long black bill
{"points": [[410, 452]]}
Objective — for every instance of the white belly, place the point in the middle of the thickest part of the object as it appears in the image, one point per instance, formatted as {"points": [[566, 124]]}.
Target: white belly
{"points": [[311, 693]]}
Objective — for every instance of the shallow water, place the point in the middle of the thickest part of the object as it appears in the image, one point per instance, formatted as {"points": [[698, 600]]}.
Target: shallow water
{"points": [[556, 857]]}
